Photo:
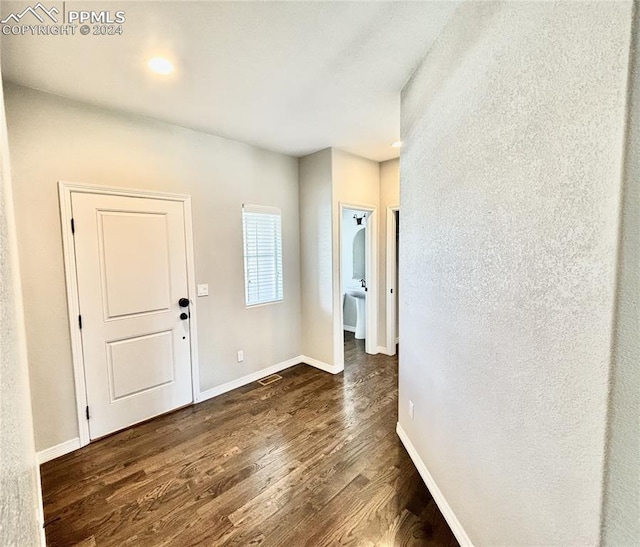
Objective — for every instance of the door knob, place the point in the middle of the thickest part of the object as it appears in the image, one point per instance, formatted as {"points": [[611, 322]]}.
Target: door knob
{"points": [[184, 316], [183, 302]]}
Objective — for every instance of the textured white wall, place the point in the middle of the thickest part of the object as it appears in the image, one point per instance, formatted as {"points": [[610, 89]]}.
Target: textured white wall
{"points": [[316, 256], [54, 139], [19, 501], [621, 514], [510, 193]]}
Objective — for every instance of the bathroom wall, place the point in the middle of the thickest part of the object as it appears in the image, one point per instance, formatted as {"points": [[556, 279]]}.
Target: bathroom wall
{"points": [[510, 210]]}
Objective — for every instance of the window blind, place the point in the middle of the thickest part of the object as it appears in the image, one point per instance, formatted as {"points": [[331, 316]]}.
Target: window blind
{"points": [[262, 237]]}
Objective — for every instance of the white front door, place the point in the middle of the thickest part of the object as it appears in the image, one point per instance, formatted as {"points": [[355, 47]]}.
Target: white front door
{"points": [[131, 268]]}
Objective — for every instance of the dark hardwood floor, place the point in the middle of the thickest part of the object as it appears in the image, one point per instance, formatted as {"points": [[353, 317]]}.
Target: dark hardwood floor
{"points": [[311, 460]]}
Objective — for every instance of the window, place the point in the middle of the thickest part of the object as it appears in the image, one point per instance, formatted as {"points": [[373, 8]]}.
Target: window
{"points": [[262, 231]]}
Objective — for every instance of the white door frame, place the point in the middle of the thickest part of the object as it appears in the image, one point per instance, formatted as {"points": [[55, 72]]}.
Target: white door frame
{"points": [[65, 191], [391, 276], [371, 270]]}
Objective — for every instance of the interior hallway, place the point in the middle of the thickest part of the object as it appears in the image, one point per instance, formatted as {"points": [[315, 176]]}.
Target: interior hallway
{"points": [[312, 459]]}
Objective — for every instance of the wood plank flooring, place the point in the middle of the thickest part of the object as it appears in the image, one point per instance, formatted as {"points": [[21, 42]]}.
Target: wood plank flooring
{"points": [[310, 460]]}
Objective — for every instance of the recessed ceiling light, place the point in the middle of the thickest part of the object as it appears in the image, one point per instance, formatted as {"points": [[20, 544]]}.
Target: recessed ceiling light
{"points": [[397, 144], [160, 65]]}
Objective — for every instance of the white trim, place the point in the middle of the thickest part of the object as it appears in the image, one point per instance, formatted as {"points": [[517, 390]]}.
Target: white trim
{"points": [[251, 306], [349, 328], [192, 291], [333, 369], [397, 340], [65, 191], [87, 188], [73, 307], [385, 351], [248, 379], [58, 450], [391, 280], [436, 493], [43, 537], [371, 302], [371, 269]]}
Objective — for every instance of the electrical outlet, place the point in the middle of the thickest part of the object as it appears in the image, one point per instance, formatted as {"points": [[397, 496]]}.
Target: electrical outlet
{"points": [[240, 356], [411, 409], [203, 290]]}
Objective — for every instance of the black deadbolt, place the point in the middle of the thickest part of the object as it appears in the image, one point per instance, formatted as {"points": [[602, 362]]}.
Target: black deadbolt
{"points": [[183, 302], [184, 316]]}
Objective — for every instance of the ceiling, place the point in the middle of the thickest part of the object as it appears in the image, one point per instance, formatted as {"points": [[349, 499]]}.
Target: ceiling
{"points": [[294, 77]]}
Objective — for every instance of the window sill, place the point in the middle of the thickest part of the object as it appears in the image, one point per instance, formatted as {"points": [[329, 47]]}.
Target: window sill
{"points": [[262, 304]]}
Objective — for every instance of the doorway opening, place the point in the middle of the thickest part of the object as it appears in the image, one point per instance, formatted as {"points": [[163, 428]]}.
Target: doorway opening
{"points": [[354, 277], [393, 288], [357, 294]]}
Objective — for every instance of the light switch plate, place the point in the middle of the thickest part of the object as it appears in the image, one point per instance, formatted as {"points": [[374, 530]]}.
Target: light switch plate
{"points": [[203, 290], [240, 356]]}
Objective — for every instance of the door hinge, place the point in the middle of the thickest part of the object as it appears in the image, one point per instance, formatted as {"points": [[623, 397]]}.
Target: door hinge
{"points": [[80, 321], [73, 226], [87, 409]]}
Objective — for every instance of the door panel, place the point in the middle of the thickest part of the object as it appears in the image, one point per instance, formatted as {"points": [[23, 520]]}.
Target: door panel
{"points": [[131, 272], [139, 364], [126, 282]]}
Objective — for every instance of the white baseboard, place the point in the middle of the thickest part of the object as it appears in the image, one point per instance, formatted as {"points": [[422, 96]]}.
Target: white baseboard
{"points": [[438, 496], [348, 328], [57, 450], [333, 369], [249, 378], [383, 350]]}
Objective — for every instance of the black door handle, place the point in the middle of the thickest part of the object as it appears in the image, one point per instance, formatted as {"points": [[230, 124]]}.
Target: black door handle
{"points": [[184, 316], [183, 302]]}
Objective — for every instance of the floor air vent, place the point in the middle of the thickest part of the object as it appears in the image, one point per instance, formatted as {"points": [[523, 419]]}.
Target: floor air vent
{"points": [[270, 379]]}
